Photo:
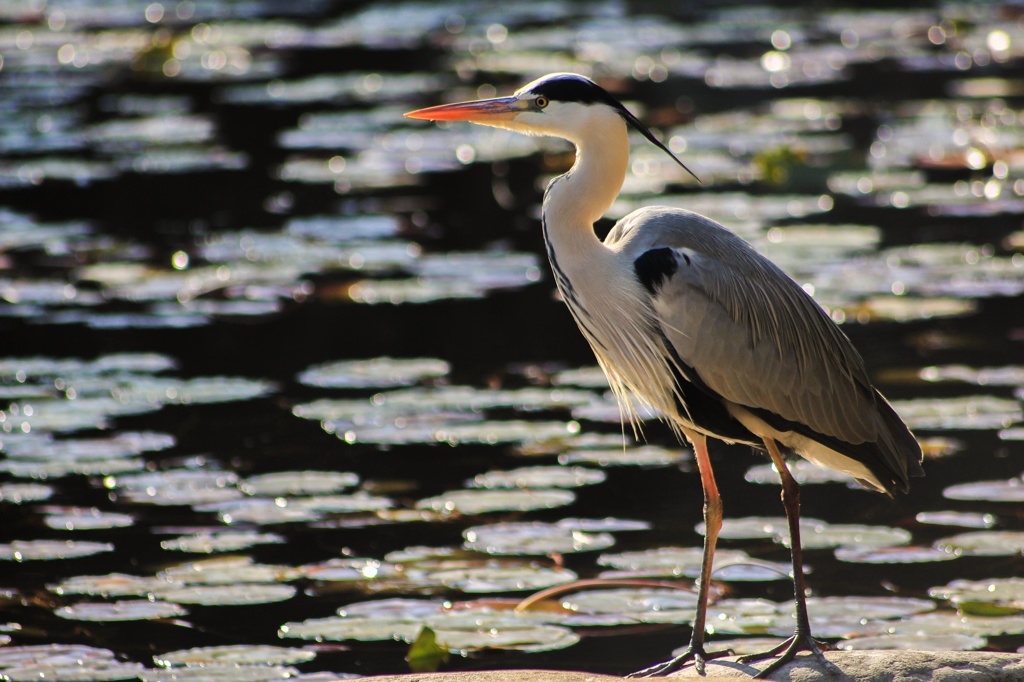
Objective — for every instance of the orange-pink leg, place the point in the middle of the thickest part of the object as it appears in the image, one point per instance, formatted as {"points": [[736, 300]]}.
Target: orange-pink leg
{"points": [[713, 524], [801, 639]]}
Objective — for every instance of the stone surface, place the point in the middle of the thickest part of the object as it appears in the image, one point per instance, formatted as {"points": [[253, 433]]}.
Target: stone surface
{"points": [[499, 676], [856, 666], [883, 666]]}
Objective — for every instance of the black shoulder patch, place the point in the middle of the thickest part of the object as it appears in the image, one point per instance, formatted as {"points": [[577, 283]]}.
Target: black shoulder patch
{"points": [[654, 266]]}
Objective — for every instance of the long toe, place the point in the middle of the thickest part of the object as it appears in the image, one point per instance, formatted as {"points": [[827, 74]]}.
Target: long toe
{"points": [[788, 650], [694, 654]]}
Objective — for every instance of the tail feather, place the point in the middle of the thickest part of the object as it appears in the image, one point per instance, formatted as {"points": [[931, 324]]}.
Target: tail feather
{"points": [[902, 453]]}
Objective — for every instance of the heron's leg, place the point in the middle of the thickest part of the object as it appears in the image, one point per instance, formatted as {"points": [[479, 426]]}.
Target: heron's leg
{"points": [[801, 639], [713, 524]]}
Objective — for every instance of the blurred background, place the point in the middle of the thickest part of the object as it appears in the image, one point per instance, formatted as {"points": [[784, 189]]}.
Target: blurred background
{"points": [[285, 383]]}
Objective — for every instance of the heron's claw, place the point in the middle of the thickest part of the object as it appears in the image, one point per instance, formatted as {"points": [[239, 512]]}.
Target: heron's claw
{"points": [[788, 650], [693, 653]]}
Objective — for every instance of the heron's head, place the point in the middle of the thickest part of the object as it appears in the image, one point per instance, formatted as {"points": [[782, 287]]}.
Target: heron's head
{"points": [[564, 105]]}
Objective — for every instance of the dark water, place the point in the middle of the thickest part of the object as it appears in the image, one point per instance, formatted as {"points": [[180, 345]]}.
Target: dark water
{"points": [[199, 202]]}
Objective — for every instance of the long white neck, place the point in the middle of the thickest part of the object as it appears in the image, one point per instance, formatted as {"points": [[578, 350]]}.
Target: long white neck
{"points": [[578, 199], [601, 291]]}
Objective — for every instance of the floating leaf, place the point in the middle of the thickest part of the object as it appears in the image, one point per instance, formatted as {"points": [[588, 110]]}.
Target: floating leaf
{"points": [[968, 412], [79, 518], [630, 605], [111, 585], [989, 491], [538, 477], [220, 540], [226, 595], [687, 561], [954, 518], [223, 673], [948, 622], [378, 372], [534, 538], [892, 555], [983, 543], [840, 535], [234, 655], [50, 550], [485, 501], [19, 493], [298, 483], [644, 455], [527, 638], [492, 578], [425, 654], [984, 376], [225, 571], [141, 609], [915, 642], [349, 570], [70, 662], [995, 591]]}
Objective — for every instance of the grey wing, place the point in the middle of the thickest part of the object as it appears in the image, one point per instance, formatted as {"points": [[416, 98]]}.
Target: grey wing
{"points": [[750, 332]]}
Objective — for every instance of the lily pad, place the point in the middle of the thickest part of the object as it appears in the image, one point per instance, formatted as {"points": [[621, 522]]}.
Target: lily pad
{"points": [[19, 493], [177, 486], [220, 540], [1012, 375], [70, 662], [915, 642], [223, 673], [630, 605], [259, 511], [538, 477], [234, 655], [989, 491], [983, 543], [139, 609], [892, 555], [80, 518], [486, 501], [484, 432], [489, 579], [855, 535], [532, 638], [298, 483], [51, 550], [955, 518], [997, 591], [110, 585], [968, 412], [729, 564], [226, 570], [644, 455], [378, 373], [534, 538], [226, 595], [948, 622]]}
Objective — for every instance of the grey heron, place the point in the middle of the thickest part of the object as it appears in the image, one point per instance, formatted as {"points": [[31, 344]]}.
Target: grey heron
{"points": [[692, 320]]}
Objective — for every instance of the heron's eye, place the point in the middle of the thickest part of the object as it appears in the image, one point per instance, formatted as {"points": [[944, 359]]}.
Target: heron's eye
{"points": [[541, 102]]}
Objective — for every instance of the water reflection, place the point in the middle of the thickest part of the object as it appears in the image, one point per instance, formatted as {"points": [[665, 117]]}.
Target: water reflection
{"points": [[268, 350]]}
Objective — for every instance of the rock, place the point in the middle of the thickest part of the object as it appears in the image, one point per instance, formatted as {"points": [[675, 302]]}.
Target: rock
{"points": [[856, 666], [881, 666], [499, 676]]}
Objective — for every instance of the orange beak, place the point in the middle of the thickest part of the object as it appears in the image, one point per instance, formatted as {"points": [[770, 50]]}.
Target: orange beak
{"points": [[479, 111]]}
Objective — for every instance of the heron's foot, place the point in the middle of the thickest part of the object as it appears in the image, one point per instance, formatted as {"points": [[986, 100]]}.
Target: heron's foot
{"points": [[788, 650], [694, 652]]}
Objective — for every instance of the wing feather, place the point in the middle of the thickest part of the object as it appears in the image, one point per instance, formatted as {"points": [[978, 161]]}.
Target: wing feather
{"points": [[751, 333]]}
